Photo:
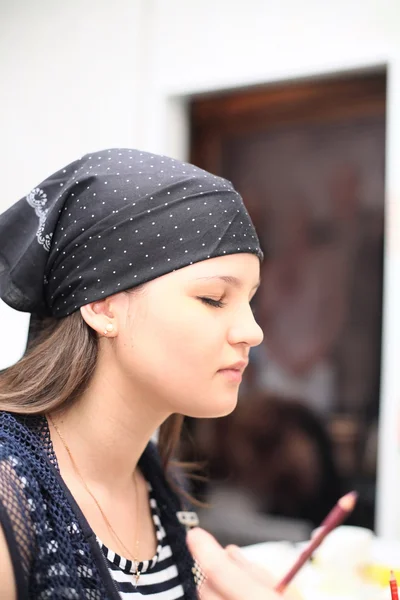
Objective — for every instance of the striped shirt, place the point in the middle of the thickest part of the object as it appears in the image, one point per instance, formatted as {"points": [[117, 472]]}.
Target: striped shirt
{"points": [[158, 576]]}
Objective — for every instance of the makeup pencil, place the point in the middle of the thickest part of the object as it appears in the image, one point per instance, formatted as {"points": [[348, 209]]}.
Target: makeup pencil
{"points": [[337, 515]]}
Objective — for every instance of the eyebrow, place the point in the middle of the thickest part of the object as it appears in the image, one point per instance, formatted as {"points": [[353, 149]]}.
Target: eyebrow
{"points": [[229, 279]]}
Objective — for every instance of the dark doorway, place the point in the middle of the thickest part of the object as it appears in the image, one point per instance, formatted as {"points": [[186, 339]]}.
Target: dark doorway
{"points": [[308, 159]]}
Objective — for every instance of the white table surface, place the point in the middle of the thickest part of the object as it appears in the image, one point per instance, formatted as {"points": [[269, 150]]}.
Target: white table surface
{"points": [[278, 557]]}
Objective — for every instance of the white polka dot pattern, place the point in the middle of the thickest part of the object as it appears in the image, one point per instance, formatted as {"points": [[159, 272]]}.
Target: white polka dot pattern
{"points": [[113, 220]]}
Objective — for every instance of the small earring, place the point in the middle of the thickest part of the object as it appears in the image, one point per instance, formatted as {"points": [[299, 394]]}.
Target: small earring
{"points": [[109, 328]]}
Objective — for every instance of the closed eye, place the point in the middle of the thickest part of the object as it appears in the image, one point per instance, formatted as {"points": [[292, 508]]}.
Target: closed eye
{"points": [[212, 302]]}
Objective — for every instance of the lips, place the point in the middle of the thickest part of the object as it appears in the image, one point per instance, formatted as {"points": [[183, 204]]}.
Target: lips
{"points": [[234, 372], [233, 375], [238, 366]]}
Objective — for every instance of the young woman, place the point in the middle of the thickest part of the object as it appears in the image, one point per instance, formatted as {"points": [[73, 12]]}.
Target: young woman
{"points": [[138, 271]]}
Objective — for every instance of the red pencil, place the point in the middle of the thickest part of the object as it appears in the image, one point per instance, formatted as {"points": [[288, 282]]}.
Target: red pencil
{"points": [[393, 587], [337, 515]]}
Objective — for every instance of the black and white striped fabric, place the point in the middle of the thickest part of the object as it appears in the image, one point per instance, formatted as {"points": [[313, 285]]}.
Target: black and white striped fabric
{"points": [[159, 576]]}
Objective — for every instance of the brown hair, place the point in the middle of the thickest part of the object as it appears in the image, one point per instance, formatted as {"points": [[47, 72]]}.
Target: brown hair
{"points": [[57, 369]]}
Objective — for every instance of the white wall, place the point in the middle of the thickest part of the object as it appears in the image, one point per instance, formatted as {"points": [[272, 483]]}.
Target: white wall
{"points": [[69, 84], [69, 75], [85, 74]]}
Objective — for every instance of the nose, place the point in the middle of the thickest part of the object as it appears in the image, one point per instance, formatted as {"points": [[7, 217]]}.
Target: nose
{"points": [[245, 329]]}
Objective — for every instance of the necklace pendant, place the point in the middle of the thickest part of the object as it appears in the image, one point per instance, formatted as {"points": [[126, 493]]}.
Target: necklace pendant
{"points": [[137, 572]]}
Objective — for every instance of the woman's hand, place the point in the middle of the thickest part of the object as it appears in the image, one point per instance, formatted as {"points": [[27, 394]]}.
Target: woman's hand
{"points": [[229, 575]]}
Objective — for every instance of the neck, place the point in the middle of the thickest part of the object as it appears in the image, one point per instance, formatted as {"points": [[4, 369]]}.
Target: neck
{"points": [[107, 430]]}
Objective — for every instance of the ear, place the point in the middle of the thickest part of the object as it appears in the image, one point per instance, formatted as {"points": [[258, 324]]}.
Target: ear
{"points": [[99, 315]]}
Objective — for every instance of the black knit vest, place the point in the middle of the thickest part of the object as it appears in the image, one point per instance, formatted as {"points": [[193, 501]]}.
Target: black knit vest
{"points": [[54, 552]]}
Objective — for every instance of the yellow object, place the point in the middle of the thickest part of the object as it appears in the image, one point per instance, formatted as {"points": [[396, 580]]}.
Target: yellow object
{"points": [[380, 574]]}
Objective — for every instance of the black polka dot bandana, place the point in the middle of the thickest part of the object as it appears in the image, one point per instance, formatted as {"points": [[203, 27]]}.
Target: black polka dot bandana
{"points": [[113, 220]]}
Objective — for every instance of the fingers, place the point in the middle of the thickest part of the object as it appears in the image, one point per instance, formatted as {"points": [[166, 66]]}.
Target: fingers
{"points": [[223, 576], [259, 573], [226, 578], [206, 592]]}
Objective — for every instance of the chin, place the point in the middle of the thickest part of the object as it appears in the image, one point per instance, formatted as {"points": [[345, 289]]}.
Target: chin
{"points": [[219, 406]]}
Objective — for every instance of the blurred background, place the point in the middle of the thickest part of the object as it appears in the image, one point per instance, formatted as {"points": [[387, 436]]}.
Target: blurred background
{"points": [[299, 105]]}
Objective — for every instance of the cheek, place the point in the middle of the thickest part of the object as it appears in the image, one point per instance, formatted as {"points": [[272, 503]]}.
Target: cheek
{"points": [[171, 342], [186, 343], [173, 356], [187, 330]]}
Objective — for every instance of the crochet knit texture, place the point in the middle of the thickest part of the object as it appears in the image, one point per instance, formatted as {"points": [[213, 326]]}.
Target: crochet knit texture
{"points": [[54, 552]]}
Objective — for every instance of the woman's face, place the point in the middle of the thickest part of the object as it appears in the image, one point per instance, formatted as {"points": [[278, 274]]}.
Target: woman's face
{"points": [[184, 339]]}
